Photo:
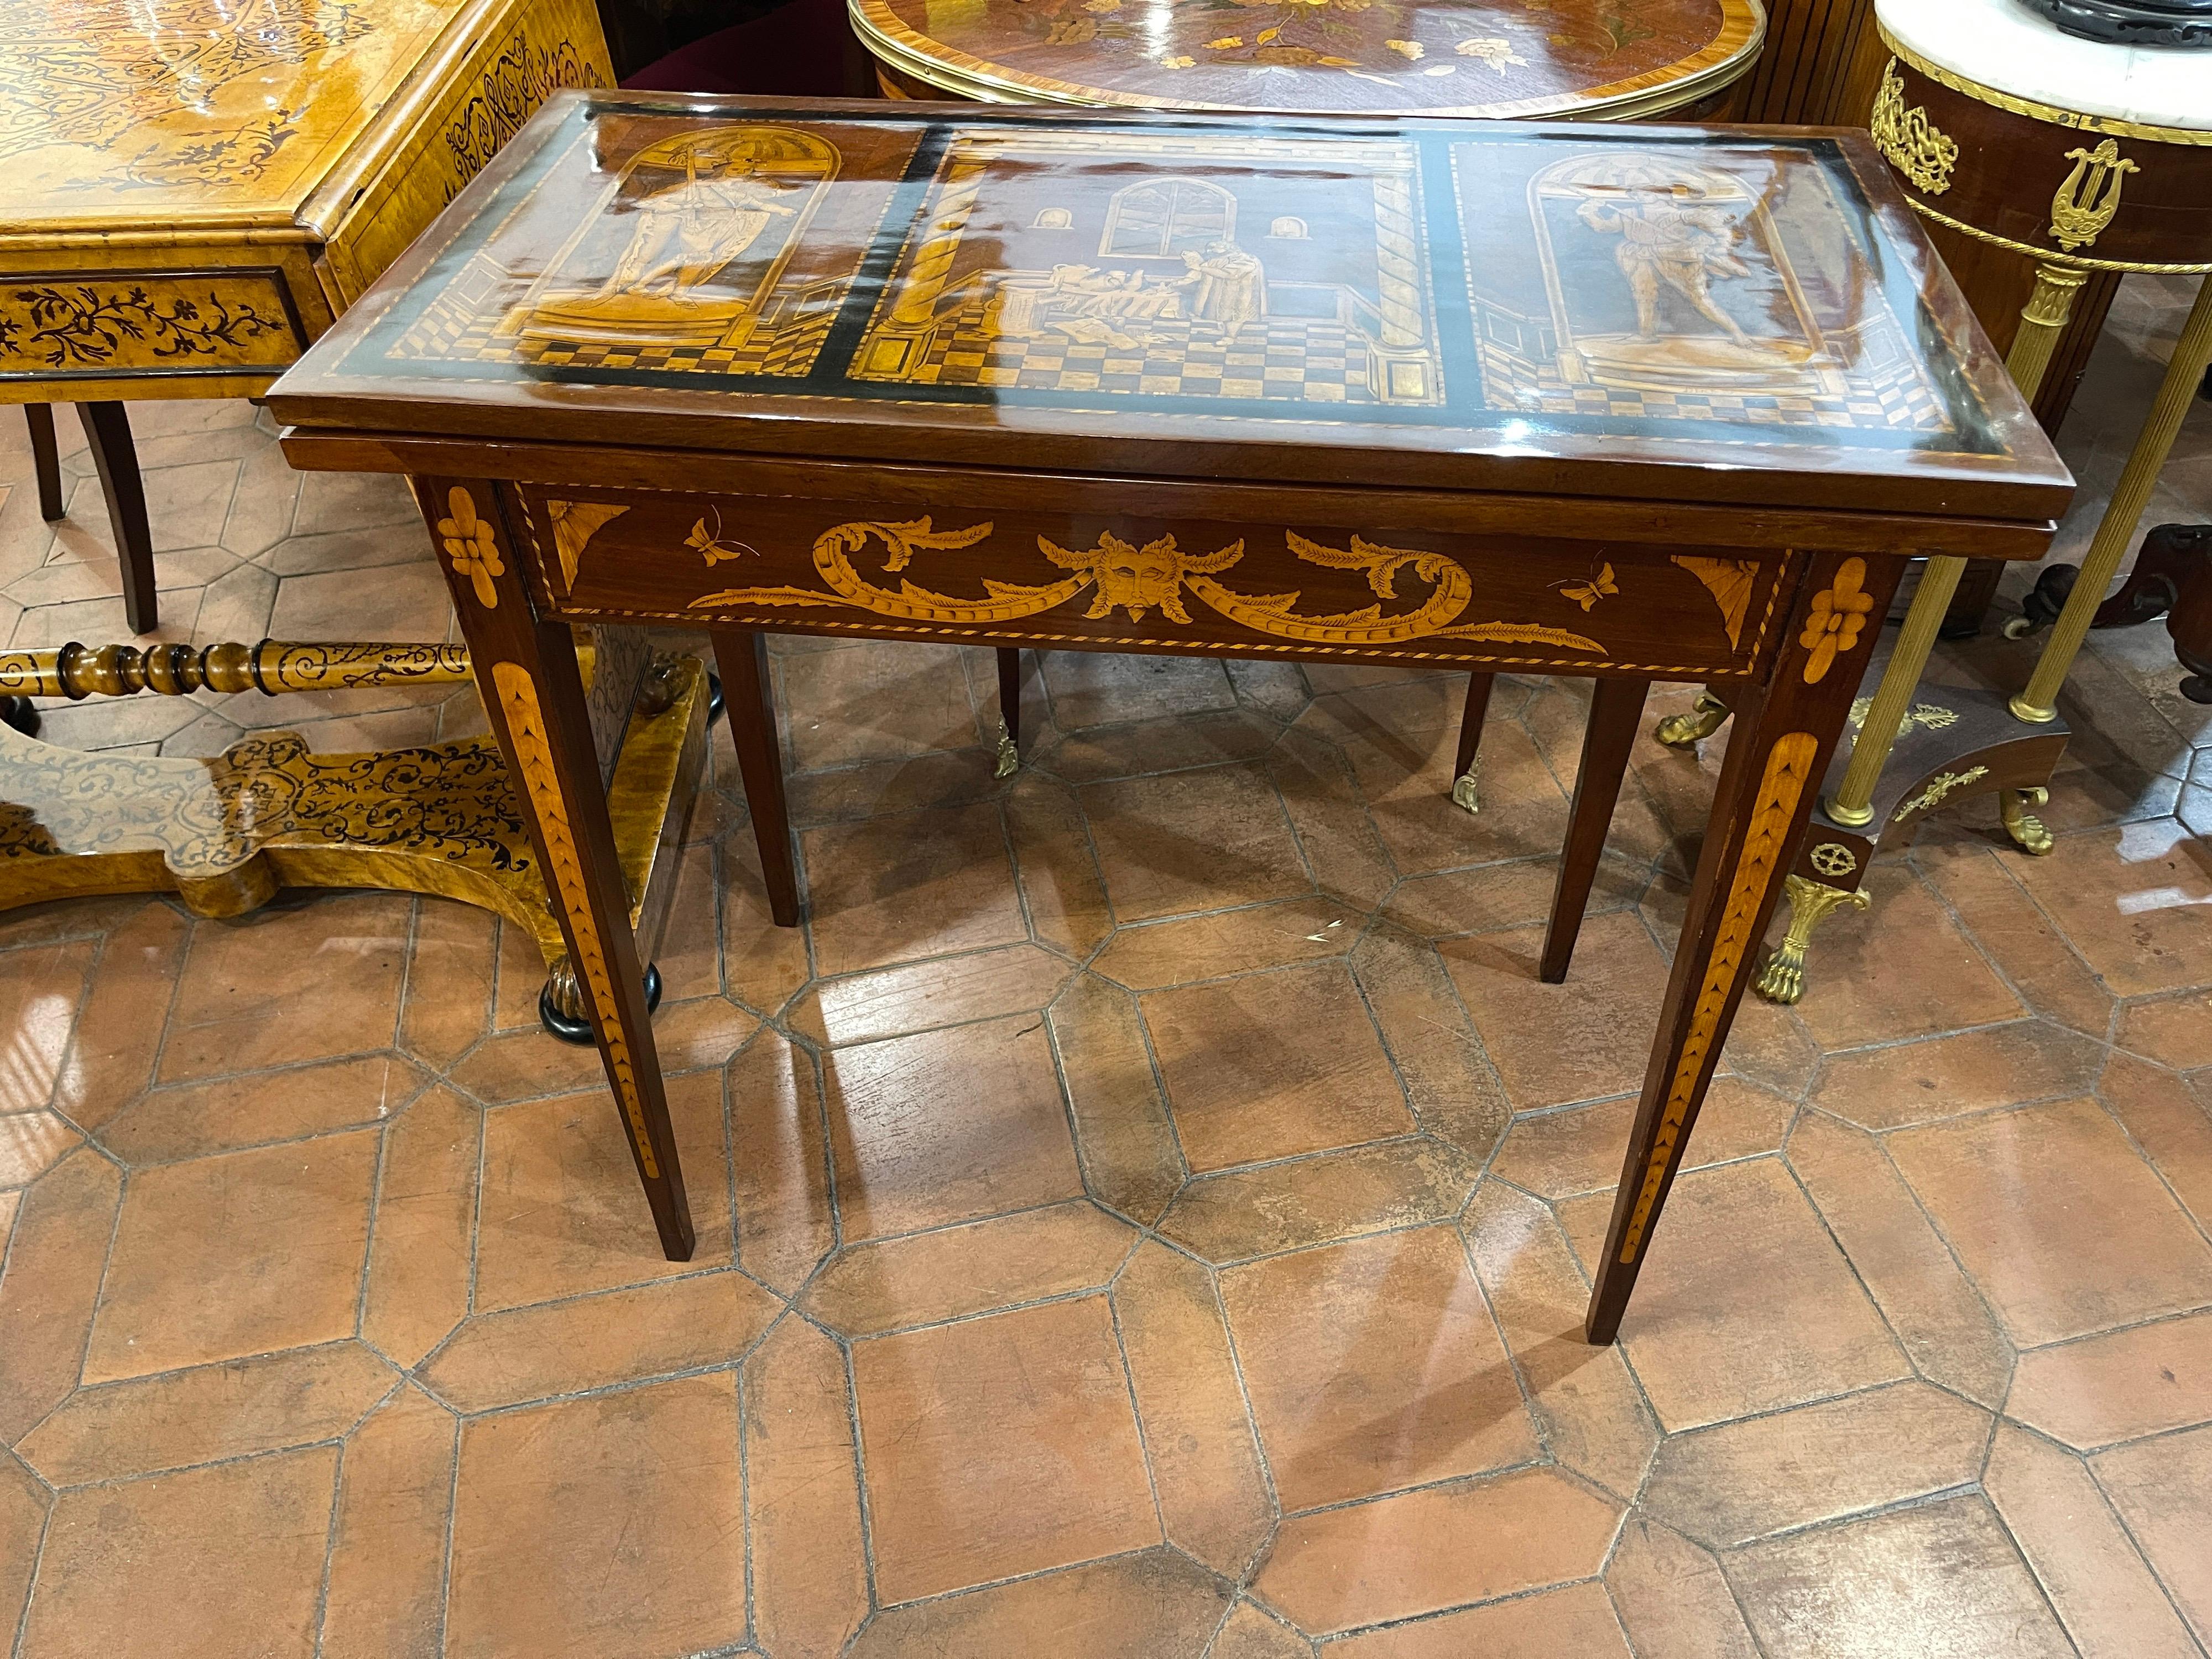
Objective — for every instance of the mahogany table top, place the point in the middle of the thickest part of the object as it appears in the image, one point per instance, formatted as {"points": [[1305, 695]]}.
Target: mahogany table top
{"points": [[1699, 314], [1495, 58]]}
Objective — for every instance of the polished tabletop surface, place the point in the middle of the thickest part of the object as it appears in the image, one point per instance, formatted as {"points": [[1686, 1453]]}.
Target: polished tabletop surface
{"points": [[163, 113], [1692, 313], [1498, 59]]}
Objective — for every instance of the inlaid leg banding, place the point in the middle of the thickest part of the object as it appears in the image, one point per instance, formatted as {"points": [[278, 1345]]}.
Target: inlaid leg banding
{"points": [[1785, 734], [533, 693]]}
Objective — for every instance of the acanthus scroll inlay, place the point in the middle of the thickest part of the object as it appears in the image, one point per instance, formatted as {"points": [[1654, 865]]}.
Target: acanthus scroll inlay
{"points": [[1138, 580]]}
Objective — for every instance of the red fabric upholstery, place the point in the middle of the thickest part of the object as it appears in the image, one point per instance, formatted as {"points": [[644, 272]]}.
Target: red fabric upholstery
{"points": [[798, 49]]}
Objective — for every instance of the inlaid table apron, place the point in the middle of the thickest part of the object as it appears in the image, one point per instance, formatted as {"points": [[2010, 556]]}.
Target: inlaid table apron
{"points": [[1631, 404]]}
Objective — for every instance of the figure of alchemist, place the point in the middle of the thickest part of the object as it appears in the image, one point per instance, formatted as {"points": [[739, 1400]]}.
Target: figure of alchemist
{"points": [[685, 234], [1233, 286], [1663, 239]]}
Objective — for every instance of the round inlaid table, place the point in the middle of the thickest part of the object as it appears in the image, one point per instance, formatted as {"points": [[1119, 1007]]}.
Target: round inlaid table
{"points": [[1502, 59]]}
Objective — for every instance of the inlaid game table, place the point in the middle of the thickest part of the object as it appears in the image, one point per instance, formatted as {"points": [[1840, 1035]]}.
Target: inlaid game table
{"points": [[1628, 404]]}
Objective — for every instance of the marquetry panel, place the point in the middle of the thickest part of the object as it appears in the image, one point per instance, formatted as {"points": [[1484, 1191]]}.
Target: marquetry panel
{"points": [[65, 324], [546, 45], [1168, 585]]}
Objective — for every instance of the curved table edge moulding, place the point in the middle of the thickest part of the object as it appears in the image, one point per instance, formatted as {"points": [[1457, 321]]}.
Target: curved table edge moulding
{"points": [[1731, 56]]}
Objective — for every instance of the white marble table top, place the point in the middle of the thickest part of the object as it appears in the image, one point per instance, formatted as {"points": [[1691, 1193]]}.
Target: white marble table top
{"points": [[2004, 45]]}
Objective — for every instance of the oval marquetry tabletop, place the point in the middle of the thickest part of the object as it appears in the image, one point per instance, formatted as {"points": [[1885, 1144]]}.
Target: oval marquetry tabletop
{"points": [[1614, 59]]}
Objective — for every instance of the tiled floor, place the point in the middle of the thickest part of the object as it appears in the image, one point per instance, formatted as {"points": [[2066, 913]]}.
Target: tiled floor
{"points": [[1145, 1215]]}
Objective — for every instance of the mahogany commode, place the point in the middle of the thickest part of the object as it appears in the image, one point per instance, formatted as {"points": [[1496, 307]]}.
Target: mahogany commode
{"points": [[1625, 404]]}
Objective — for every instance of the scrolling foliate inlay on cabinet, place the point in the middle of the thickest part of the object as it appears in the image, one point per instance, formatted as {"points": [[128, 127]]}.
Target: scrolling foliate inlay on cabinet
{"points": [[1609, 403], [190, 193]]}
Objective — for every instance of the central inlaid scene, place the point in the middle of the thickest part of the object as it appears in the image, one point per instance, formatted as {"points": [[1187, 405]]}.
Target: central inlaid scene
{"points": [[1204, 264], [1412, 278]]}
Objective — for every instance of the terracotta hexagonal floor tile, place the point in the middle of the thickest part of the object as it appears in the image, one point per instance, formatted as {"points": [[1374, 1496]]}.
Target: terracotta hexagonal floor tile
{"points": [[892, 889], [1941, 1578], [1000, 1446], [2096, 1579], [1205, 840], [1272, 1065], [1443, 1546], [562, 1211], [2121, 1386], [279, 986], [40, 986], [2163, 1490], [1373, 1366], [235, 1254], [1158, 1605], [232, 1556], [877, 701], [1577, 1620], [1554, 1045], [2058, 1219], [1898, 1085], [2134, 901], [610, 1524], [1740, 1481], [948, 1126], [1745, 1304]]}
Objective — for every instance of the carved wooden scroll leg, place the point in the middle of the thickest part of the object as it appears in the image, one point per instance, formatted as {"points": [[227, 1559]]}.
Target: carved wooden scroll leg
{"points": [[534, 696], [107, 430], [1687, 730], [45, 459], [1786, 732], [1615, 707], [1010, 710], [741, 655], [1467, 769]]}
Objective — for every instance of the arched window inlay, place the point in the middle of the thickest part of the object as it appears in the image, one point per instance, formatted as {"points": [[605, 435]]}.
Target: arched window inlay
{"points": [[1163, 218]]}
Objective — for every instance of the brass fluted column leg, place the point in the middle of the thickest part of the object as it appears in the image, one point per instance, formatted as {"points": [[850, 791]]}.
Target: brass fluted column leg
{"points": [[1853, 803], [2041, 322], [2116, 532]]}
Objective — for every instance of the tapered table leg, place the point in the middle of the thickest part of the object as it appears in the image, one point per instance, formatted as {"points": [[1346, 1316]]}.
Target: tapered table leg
{"points": [[45, 459], [1615, 707], [533, 694], [1010, 710], [1467, 769], [1785, 733], [749, 698], [107, 430]]}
